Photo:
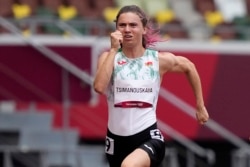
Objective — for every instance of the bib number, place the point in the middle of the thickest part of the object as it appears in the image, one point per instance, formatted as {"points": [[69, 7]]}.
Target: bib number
{"points": [[156, 134], [109, 145]]}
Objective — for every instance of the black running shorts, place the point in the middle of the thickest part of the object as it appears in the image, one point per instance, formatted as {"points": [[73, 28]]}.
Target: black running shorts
{"points": [[150, 140]]}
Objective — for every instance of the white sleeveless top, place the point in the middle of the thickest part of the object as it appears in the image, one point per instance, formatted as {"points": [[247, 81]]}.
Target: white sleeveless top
{"points": [[133, 93]]}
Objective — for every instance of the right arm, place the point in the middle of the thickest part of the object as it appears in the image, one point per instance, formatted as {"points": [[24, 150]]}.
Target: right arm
{"points": [[104, 71], [106, 64]]}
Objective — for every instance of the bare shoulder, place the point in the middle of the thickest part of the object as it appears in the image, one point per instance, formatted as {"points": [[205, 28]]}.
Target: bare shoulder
{"points": [[174, 63], [107, 53], [103, 56], [166, 58], [165, 54], [166, 61]]}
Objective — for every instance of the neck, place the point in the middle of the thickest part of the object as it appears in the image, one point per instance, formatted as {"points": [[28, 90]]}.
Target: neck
{"points": [[133, 52]]}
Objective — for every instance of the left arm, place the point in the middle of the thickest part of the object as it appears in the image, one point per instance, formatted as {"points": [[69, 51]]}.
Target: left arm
{"points": [[172, 63]]}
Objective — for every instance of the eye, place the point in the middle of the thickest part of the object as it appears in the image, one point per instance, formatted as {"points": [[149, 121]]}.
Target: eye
{"points": [[122, 25], [133, 24]]}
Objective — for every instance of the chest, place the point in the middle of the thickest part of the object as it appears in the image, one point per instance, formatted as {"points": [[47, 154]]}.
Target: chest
{"points": [[143, 68]]}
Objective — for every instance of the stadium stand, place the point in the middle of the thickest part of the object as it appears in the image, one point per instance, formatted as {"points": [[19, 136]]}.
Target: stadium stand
{"points": [[190, 19], [67, 11], [174, 30], [231, 9], [45, 11], [35, 142], [5, 8], [22, 120], [54, 144], [198, 19], [21, 10]]}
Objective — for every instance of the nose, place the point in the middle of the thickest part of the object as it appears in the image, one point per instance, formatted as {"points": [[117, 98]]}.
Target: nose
{"points": [[127, 28]]}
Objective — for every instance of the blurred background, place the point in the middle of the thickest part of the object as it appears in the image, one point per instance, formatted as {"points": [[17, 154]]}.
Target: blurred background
{"points": [[51, 117]]}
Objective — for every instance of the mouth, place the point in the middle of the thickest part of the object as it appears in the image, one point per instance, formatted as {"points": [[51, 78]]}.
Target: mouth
{"points": [[127, 37]]}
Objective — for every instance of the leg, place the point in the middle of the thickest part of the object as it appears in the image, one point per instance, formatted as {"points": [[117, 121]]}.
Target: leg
{"points": [[138, 158], [149, 154]]}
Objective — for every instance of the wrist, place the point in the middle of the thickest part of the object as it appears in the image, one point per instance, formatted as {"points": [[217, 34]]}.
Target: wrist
{"points": [[200, 102], [113, 50], [200, 105], [200, 108]]}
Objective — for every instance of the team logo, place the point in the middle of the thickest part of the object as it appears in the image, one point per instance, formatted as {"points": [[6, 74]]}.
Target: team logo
{"points": [[122, 62], [150, 148], [149, 63]]}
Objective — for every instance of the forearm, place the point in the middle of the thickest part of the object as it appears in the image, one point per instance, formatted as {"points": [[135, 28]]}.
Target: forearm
{"points": [[194, 79], [104, 72], [195, 82]]}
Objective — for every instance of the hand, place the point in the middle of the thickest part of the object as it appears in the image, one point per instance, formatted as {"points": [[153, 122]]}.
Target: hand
{"points": [[202, 115], [116, 39]]}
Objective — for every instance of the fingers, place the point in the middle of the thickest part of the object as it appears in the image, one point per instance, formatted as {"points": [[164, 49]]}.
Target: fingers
{"points": [[116, 39], [202, 116], [117, 34], [203, 121]]}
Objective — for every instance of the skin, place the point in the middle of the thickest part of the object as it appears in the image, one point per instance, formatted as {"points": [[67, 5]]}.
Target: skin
{"points": [[129, 32]]}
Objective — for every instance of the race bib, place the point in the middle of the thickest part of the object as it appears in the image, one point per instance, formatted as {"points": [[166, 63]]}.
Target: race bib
{"points": [[109, 149], [156, 134], [134, 93]]}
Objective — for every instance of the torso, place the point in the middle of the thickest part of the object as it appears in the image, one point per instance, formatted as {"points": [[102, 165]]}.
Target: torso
{"points": [[133, 93]]}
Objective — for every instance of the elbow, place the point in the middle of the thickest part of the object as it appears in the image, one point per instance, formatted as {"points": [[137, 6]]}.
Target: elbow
{"points": [[99, 89]]}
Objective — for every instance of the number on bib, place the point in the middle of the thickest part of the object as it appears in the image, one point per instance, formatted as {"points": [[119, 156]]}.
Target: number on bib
{"points": [[109, 146], [156, 134]]}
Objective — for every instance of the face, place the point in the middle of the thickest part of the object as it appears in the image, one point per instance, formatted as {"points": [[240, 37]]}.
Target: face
{"points": [[130, 25]]}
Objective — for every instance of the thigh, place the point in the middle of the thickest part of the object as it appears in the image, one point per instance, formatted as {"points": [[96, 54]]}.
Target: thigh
{"points": [[148, 154], [138, 157], [156, 151]]}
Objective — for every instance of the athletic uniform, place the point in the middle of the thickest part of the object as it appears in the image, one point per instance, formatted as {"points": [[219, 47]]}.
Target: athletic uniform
{"points": [[132, 98]]}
